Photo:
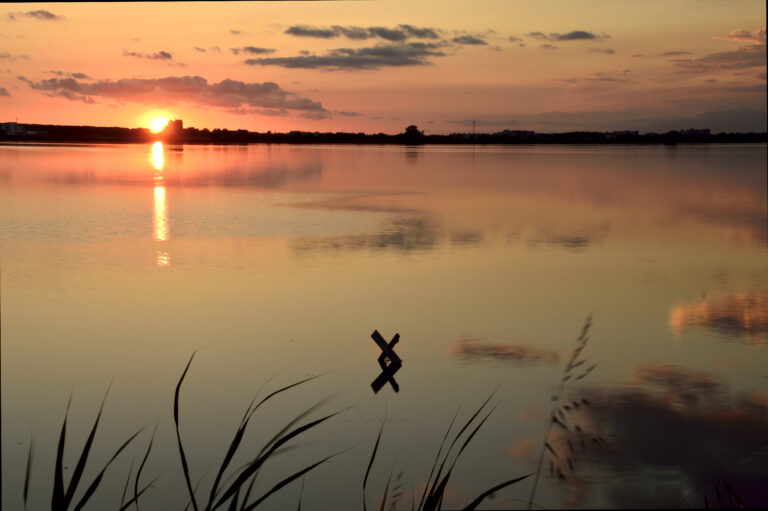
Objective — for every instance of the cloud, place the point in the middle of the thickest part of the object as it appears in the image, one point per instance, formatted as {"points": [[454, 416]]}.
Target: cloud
{"points": [[236, 32], [742, 36], [397, 34], [477, 349], [13, 58], [81, 76], [201, 50], [40, 14], [514, 39], [253, 50], [187, 89], [4, 92], [468, 39], [574, 35], [547, 47], [744, 57], [348, 114], [370, 58], [674, 53], [607, 51], [161, 55], [660, 427], [734, 315]]}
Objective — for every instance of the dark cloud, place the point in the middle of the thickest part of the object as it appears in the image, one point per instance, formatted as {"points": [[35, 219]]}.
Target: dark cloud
{"points": [[574, 35], [307, 31], [8, 56], [161, 55], [547, 47], [514, 39], [397, 34], [745, 57], [189, 89], [4, 92], [684, 424], [607, 51], [674, 53], [201, 50], [468, 39], [348, 114], [40, 14], [375, 57], [253, 50], [477, 349], [637, 55], [236, 32]]}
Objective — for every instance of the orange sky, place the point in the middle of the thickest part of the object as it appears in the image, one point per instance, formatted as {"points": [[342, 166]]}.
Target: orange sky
{"points": [[379, 66]]}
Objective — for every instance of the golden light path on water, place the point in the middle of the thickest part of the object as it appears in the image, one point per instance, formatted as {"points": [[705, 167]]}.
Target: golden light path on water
{"points": [[161, 210]]}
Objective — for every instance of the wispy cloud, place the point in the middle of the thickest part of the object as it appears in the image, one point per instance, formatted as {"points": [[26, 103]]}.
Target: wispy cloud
{"points": [[547, 47], [161, 55], [232, 31], [573, 35], [396, 34], [744, 57], [675, 53], [13, 58], [515, 39], [469, 39], [370, 58], [607, 51], [80, 76], [742, 36], [4, 92], [203, 50], [228, 94], [39, 14], [252, 50]]}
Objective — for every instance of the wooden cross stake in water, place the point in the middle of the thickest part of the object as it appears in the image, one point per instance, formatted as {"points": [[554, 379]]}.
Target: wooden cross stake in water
{"points": [[387, 370]]}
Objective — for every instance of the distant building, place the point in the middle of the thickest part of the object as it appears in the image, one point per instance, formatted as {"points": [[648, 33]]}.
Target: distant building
{"points": [[623, 133], [695, 132]]}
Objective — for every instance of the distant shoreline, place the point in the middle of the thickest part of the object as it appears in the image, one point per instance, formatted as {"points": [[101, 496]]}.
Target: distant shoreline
{"points": [[42, 133]]}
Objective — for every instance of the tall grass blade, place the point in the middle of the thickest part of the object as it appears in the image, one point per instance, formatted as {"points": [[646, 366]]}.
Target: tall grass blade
{"points": [[184, 465], [95, 484], [301, 494], [437, 458], [136, 497], [127, 482], [141, 467], [496, 488], [260, 460], [57, 500], [287, 481], [435, 494], [237, 439], [30, 455], [77, 474], [370, 462]]}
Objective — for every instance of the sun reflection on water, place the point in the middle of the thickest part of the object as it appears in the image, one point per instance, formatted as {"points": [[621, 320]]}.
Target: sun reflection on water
{"points": [[158, 159], [161, 231]]}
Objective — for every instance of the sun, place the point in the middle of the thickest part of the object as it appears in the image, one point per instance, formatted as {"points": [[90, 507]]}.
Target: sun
{"points": [[158, 124]]}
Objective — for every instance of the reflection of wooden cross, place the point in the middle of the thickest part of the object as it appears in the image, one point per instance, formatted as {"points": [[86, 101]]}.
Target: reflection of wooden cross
{"points": [[387, 354]]}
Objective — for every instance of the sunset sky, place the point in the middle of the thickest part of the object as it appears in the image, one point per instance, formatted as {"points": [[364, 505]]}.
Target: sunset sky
{"points": [[378, 66]]}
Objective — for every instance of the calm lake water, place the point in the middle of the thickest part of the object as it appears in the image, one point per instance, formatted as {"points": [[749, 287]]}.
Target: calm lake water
{"points": [[118, 262]]}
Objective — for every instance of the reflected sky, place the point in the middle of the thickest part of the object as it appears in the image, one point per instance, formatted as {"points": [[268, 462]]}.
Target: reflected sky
{"points": [[687, 429], [741, 314], [285, 258]]}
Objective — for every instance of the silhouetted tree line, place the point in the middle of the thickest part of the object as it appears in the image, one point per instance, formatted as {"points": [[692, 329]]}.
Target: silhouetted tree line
{"points": [[412, 135]]}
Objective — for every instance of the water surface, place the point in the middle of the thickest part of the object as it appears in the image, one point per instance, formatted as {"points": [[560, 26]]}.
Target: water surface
{"points": [[117, 262]]}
